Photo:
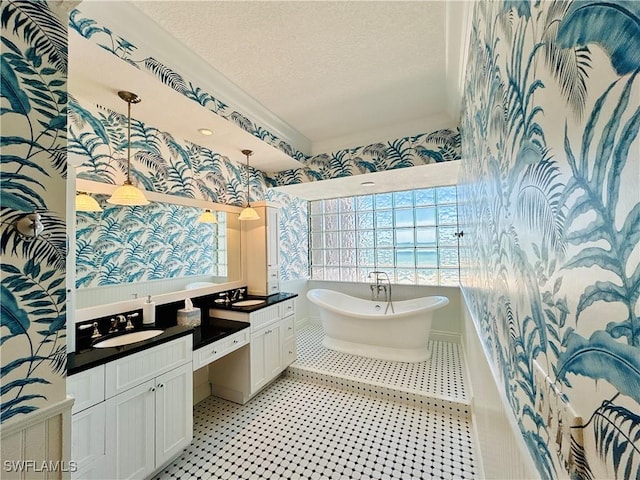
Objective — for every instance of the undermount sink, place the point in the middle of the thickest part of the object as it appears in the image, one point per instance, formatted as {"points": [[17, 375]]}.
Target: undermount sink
{"points": [[128, 338], [247, 303]]}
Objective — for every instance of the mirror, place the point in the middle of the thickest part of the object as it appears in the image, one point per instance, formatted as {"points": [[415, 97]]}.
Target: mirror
{"points": [[124, 253]]}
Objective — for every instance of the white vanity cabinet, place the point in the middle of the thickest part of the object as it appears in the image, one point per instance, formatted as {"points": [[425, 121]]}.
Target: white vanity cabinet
{"points": [[263, 250], [145, 415], [272, 349]]}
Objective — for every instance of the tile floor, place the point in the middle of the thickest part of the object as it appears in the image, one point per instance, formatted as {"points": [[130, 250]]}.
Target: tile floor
{"points": [[315, 428]]}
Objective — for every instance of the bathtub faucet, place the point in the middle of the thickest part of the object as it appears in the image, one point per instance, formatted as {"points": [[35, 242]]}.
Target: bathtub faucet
{"points": [[382, 284]]}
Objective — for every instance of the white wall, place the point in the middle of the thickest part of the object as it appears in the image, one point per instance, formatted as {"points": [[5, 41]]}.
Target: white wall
{"points": [[502, 449]]}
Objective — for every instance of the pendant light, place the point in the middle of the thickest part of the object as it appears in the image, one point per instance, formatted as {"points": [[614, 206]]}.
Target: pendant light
{"points": [[248, 213], [128, 194], [86, 203], [207, 217]]}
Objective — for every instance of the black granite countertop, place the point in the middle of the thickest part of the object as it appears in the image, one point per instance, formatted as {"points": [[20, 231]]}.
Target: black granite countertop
{"points": [[268, 301], [93, 357], [211, 330]]}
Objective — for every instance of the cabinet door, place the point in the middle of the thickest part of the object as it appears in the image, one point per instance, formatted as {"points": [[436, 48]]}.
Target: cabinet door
{"points": [[130, 432], [88, 443], [273, 237], [273, 357], [258, 366], [86, 387], [174, 413]]}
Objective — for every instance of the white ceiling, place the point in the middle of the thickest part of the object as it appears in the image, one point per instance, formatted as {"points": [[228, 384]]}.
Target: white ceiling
{"points": [[324, 75], [329, 69]]}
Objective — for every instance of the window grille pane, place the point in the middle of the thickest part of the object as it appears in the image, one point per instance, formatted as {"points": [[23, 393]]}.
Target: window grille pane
{"points": [[365, 220], [404, 217], [317, 257], [366, 257], [383, 200], [317, 240], [425, 196], [403, 199], [316, 207], [331, 273], [348, 239], [347, 221], [446, 195], [449, 277], [316, 223], [427, 257], [447, 236], [406, 276], [317, 273], [447, 215], [363, 274], [332, 257], [384, 219], [331, 222], [404, 237], [331, 240], [448, 257], [426, 237], [405, 257], [427, 276], [331, 206], [348, 258], [365, 239], [384, 258], [426, 216], [364, 202], [348, 274], [384, 238], [347, 204]]}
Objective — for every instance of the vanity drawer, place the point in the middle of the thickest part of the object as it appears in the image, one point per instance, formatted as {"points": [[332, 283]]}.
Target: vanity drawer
{"points": [[288, 328], [87, 388], [262, 317], [287, 308], [210, 353], [132, 370]]}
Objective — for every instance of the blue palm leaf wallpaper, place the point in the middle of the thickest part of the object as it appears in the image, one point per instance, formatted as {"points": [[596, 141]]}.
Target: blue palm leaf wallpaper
{"points": [[549, 196], [33, 157]]}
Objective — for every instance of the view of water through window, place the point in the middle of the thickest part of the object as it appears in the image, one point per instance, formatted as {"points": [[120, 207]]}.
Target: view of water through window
{"points": [[409, 234]]}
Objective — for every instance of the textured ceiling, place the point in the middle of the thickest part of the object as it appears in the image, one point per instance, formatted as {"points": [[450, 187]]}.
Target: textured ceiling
{"points": [[329, 69]]}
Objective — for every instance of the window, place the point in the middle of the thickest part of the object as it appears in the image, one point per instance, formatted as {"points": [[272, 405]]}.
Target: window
{"points": [[410, 235]]}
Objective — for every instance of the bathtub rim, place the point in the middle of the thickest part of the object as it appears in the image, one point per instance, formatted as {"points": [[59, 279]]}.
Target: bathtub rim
{"points": [[439, 302]]}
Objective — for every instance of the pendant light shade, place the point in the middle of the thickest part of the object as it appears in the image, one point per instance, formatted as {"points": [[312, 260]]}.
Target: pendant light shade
{"points": [[86, 203], [207, 217], [248, 213], [128, 194]]}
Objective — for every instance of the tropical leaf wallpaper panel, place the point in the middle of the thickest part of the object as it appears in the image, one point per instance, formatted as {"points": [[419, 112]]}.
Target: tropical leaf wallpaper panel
{"points": [[33, 178], [439, 146], [549, 197], [123, 245]]}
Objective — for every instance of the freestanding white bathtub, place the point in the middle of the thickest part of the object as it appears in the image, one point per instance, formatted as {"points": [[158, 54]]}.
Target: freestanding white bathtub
{"points": [[360, 327]]}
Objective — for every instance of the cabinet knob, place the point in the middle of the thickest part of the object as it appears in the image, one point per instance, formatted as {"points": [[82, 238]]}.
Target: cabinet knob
{"points": [[235, 341], [213, 352], [152, 389], [161, 385]]}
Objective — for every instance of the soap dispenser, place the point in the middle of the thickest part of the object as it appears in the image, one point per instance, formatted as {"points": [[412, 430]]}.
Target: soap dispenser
{"points": [[148, 311]]}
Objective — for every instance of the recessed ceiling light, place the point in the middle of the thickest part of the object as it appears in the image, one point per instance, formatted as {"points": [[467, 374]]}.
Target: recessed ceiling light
{"points": [[368, 184], [205, 131]]}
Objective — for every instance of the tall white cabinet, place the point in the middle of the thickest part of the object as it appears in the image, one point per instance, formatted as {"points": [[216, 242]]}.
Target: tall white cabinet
{"points": [[133, 415], [263, 250]]}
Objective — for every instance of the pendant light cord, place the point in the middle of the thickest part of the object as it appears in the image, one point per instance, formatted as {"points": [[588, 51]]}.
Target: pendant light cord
{"points": [[129, 142]]}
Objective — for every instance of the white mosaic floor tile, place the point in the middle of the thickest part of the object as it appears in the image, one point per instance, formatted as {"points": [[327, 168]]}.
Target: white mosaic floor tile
{"points": [[442, 376], [301, 430]]}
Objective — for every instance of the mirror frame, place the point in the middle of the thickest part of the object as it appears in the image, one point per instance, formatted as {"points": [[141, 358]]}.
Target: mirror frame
{"points": [[89, 313]]}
